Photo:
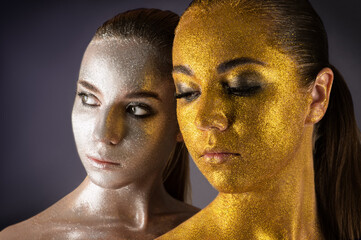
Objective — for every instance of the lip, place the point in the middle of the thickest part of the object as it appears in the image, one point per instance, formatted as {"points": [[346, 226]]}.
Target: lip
{"points": [[218, 156], [101, 163]]}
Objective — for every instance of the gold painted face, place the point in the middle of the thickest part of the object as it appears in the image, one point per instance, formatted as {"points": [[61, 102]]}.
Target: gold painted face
{"points": [[240, 107], [124, 117]]}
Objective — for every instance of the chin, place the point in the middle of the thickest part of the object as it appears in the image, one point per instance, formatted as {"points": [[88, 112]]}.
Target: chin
{"points": [[226, 182], [226, 187], [223, 183], [233, 188], [107, 181]]}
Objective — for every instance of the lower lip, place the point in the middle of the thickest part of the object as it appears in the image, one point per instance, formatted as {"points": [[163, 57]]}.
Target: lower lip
{"points": [[218, 158], [101, 164]]}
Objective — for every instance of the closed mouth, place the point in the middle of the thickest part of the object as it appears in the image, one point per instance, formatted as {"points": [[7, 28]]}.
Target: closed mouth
{"points": [[218, 156], [100, 163]]}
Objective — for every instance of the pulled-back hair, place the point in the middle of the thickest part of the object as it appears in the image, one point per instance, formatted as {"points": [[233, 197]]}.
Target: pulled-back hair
{"points": [[296, 28], [155, 27]]}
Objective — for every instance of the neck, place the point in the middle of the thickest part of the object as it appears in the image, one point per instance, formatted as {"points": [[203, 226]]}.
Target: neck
{"points": [[132, 205], [283, 207]]}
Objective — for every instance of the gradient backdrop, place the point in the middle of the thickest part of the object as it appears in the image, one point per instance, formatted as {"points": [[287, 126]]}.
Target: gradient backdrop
{"points": [[41, 46]]}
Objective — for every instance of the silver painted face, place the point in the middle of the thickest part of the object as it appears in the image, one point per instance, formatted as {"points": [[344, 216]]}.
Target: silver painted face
{"points": [[124, 118]]}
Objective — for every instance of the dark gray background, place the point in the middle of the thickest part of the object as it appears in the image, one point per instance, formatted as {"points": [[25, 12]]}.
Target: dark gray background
{"points": [[41, 46]]}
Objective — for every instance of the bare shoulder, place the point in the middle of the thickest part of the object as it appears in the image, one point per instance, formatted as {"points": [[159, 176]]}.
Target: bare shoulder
{"points": [[20, 231], [36, 227], [44, 226]]}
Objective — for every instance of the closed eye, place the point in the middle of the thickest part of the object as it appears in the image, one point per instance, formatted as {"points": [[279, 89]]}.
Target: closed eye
{"points": [[188, 96], [243, 91]]}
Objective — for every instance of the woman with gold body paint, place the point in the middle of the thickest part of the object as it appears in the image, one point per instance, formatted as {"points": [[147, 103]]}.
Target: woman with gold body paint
{"points": [[127, 137], [257, 113]]}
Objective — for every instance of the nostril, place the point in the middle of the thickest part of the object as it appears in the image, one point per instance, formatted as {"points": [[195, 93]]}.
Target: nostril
{"points": [[214, 120], [201, 122], [220, 124], [110, 134], [114, 140]]}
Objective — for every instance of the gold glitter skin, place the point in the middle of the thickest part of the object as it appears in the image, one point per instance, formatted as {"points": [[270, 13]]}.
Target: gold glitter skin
{"points": [[248, 125]]}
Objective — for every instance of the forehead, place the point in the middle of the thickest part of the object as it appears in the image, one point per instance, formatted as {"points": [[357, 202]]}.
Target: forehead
{"points": [[222, 33], [122, 63]]}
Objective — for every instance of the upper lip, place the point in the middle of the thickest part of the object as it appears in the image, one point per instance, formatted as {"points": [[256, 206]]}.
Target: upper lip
{"points": [[102, 160]]}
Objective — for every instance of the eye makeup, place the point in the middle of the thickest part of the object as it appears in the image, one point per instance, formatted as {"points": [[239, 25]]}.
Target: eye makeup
{"points": [[139, 110], [244, 84], [244, 91], [244, 78], [188, 96], [186, 92], [88, 99]]}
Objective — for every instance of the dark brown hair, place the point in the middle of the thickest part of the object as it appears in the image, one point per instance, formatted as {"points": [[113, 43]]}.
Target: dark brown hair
{"points": [[155, 27], [297, 29]]}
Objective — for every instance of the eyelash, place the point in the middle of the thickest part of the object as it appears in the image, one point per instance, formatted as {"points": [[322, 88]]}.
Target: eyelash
{"points": [[188, 96], [243, 91], [129, 108], [83, 94], [237, 91], [145, 107]]}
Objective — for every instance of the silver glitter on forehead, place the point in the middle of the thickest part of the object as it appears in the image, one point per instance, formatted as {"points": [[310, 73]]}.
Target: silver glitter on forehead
{"points": [[128, 58]]}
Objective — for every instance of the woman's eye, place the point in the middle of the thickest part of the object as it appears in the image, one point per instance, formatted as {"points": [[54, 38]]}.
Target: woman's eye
{"points": [[139, 110], [244, 91], [188, 96], [88, 99]]}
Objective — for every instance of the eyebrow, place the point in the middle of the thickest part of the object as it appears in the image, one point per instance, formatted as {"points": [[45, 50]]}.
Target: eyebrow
{"points": [[139, 94], [222, 68], [143, 94], [182, 69], [228, 65], [88, 86]]}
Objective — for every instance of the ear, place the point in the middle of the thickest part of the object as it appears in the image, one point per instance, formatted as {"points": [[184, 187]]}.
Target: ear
{"points": [[320, 96], [179, 137]]}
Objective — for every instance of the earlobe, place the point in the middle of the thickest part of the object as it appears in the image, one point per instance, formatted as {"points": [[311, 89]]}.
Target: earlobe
{"points": [[320, 94]]}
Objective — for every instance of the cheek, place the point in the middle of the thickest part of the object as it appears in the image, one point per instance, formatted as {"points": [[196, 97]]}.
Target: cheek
{"points": [[82, 128], [146, 136], [266, 131], [279, 125], [151, 141], [269, 132]]}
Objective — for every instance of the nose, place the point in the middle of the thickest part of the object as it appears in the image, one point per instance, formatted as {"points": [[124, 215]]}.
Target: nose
{"points": [[211, 113], [110, 128]]}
